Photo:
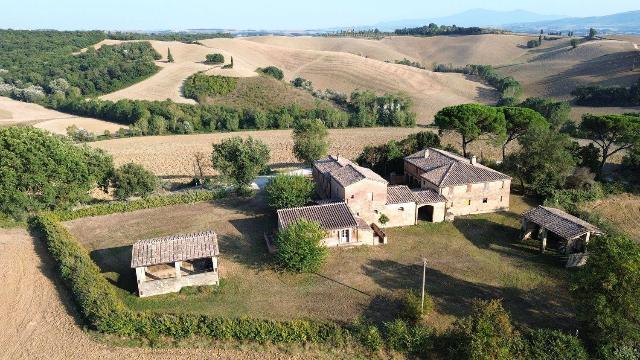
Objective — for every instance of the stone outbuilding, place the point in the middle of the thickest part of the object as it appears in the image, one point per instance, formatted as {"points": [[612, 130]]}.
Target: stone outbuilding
{"points": [[558, 230], [165, 265], [343, 228]]}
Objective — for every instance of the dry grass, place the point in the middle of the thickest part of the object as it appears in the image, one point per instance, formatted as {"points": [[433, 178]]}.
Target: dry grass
{"points": [[13, 112], [623, 211], [476, 256], [341, 71], [172, 156]]}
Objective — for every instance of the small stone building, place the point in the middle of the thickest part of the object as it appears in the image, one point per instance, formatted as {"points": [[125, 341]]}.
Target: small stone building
{"points": [[558, 230], [342, 226], [467, 186], [165, 265]]}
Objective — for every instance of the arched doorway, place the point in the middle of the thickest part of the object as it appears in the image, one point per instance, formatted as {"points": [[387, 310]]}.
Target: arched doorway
{"points": [[425, 213]]}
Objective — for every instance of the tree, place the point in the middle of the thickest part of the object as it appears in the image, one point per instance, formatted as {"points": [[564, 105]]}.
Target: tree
{"points": [[287, 191], [310, 141], [133, 180], [169, 56], [272, 71], [556, 112], [519, 121], [214, 59], [240, 160], [300, 248], [592, 33], [485, 334], [39, 170], [608, 289], [574, 43], [543, 162], [471, 121], [611, 133]]}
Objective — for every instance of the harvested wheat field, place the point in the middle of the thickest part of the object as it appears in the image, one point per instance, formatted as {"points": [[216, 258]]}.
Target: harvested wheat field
{"points": [[172, 156], [456, 50], [622, 211], [340, 71], [557, 70], [40, 322], [13, 112]]}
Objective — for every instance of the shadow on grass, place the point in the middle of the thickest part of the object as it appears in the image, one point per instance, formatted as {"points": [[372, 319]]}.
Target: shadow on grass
{"points": [[453, 296], [115, 264]]}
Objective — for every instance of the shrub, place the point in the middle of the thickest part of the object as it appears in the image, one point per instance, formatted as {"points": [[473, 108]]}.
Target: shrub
{"points": [[133, 180], [199, 86], [300, 247], [214, 59], [369, 335], [272, 71], [407, 338], [485, 334], [383, 219], [286, 191], [412, 306], [545, 344]]}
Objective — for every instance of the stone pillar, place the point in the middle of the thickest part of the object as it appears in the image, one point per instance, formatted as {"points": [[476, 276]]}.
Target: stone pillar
{"points": [[586, 238], [543, 239], [214, 261], [178, 264], [140, 274], [523, 229]]}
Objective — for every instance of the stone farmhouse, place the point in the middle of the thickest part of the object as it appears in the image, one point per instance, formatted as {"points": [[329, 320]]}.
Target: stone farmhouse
{"points": [[353, 199], [469, 187], [167, 264]]}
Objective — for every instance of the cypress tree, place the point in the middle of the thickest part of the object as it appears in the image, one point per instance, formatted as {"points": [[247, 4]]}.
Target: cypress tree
{"points": [[169, 56]]}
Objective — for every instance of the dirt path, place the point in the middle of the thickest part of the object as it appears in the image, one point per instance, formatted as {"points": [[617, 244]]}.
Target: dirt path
{"points": [[37, 321]]}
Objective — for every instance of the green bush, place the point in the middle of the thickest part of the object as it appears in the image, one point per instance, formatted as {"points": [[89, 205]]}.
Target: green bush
{"points": [[412, 306], [272, 71], [133, 180], [545, 344], [287, 191], [407, 338], [300, 248], [368, 335], [216, 58], [199, 86], [310, 140]]}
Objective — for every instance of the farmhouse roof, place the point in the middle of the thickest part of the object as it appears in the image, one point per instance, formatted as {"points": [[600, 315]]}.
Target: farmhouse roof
{"points": [[400, 194], [559, 222], [427, 196], [443, 168], [330, 216], [174, 248], [346, 172]]}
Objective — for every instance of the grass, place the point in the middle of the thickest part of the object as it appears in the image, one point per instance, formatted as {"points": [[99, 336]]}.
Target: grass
{"points": [[264, 93], [472, 257]]}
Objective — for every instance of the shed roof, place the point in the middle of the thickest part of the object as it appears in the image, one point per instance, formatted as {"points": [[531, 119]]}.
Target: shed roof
{"points": [[400, 194], [428, 196], [443, 168], [559, 222], [330, 216], [174, 248]]}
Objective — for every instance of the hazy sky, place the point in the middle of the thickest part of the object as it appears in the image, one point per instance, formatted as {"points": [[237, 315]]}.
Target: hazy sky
{"points": [[260, 14]]}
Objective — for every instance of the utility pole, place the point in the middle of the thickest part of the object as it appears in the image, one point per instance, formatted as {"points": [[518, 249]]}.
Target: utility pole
{"points": [[424, 276]]}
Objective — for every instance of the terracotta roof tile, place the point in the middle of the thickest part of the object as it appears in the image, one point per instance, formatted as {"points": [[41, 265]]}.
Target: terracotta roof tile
{"points": [[330, 216], [559, 222], [428, 196], [174, 248], [400, 194]]}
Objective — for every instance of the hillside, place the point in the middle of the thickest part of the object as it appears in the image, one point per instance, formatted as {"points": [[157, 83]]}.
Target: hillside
{"points": [[14, 112], [340, 71], [621, 23]]}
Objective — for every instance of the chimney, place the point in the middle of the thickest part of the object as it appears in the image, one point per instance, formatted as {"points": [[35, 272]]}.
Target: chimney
{"points": [[426, 153], [473, 160]]}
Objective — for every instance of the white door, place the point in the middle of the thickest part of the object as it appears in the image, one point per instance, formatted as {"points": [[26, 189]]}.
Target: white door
{"points": [[344, 236]]}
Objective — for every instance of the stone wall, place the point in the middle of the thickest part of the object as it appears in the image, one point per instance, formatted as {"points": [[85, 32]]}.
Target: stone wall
{"points": [[166, 286]]}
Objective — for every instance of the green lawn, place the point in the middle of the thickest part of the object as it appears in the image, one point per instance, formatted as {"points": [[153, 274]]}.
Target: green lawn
{"points": [[473, 257]]}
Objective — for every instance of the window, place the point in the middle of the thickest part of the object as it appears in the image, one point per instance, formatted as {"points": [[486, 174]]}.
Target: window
{"points": [[468, 202], [353, 196], [401, 208], [500, 198], [485, 200], [502, 186], [370, 196], [375, 211]]}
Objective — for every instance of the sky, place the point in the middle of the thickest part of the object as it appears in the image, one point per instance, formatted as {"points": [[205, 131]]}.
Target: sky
{"points": [[260, 14]]}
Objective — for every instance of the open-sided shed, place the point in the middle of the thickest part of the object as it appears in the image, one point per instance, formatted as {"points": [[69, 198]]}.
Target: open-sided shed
{"points": [[570, 234], [167, 264]]}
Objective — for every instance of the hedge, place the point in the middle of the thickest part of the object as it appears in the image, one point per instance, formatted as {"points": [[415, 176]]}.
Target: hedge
{"points": [[190, 197], [104, 311]]}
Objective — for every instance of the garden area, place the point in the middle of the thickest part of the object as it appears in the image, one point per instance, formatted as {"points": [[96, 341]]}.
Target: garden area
{"points": [[473, 257]]}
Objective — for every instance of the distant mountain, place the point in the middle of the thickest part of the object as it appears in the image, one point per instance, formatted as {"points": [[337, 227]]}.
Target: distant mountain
{"points": [[621, 23], [474, 17]]}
